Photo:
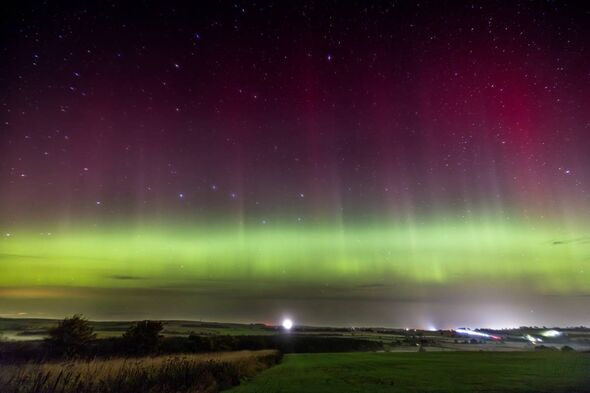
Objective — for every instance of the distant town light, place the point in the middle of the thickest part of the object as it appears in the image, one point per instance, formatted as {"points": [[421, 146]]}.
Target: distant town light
{"points": [[472, 333], [551, 333], [532, 339], [287, 324]]}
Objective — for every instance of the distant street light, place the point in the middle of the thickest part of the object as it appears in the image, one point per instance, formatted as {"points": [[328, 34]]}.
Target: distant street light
{"points": [[287, 324]]}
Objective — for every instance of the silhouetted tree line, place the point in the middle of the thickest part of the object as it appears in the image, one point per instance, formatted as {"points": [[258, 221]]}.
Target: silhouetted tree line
{"points": [[286, 343], [74, 338], [417, 340]]}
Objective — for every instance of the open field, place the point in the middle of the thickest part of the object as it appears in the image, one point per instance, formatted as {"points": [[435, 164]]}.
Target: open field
{"points": [[426, 372], [24, 329], [183, 373]]}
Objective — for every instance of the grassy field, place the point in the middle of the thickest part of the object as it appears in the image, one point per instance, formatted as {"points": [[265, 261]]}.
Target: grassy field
{"points": [[162, 374], [26, 328], [426, 372]]}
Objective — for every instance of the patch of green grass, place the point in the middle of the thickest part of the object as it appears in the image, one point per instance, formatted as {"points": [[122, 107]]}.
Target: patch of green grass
{"points": [[426, 372]]}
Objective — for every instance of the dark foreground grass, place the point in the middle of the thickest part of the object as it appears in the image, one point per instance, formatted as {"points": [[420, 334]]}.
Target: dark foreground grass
{"points": [[161, 374], [426, 372]]}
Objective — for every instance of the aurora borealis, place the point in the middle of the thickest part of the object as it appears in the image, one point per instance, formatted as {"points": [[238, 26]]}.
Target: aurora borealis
{"points": [[388, 163]]}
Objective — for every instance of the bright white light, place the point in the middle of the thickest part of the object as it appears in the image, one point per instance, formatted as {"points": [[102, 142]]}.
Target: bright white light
{"points": [[472, 333], [287, 323], [551, 333], [532, 339]]}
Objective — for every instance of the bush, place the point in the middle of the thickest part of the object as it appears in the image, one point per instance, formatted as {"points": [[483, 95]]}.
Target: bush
{"points": [[544, 348], [143, 337], [567, 348], [201, 343], [71, 337], [286, 343]]}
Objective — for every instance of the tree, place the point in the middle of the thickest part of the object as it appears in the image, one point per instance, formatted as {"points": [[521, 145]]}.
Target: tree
{"points": [[71, 336], [143, 336]]}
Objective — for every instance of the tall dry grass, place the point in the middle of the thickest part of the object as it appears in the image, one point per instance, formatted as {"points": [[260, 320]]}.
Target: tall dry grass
{"points": [[162, 374]]}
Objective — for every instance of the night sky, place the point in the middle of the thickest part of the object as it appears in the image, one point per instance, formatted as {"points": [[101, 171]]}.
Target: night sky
{"points": [[399, 163]]}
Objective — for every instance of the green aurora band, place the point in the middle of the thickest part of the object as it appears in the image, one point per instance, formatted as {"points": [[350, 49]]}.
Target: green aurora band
{"points": [[550, 259]]}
